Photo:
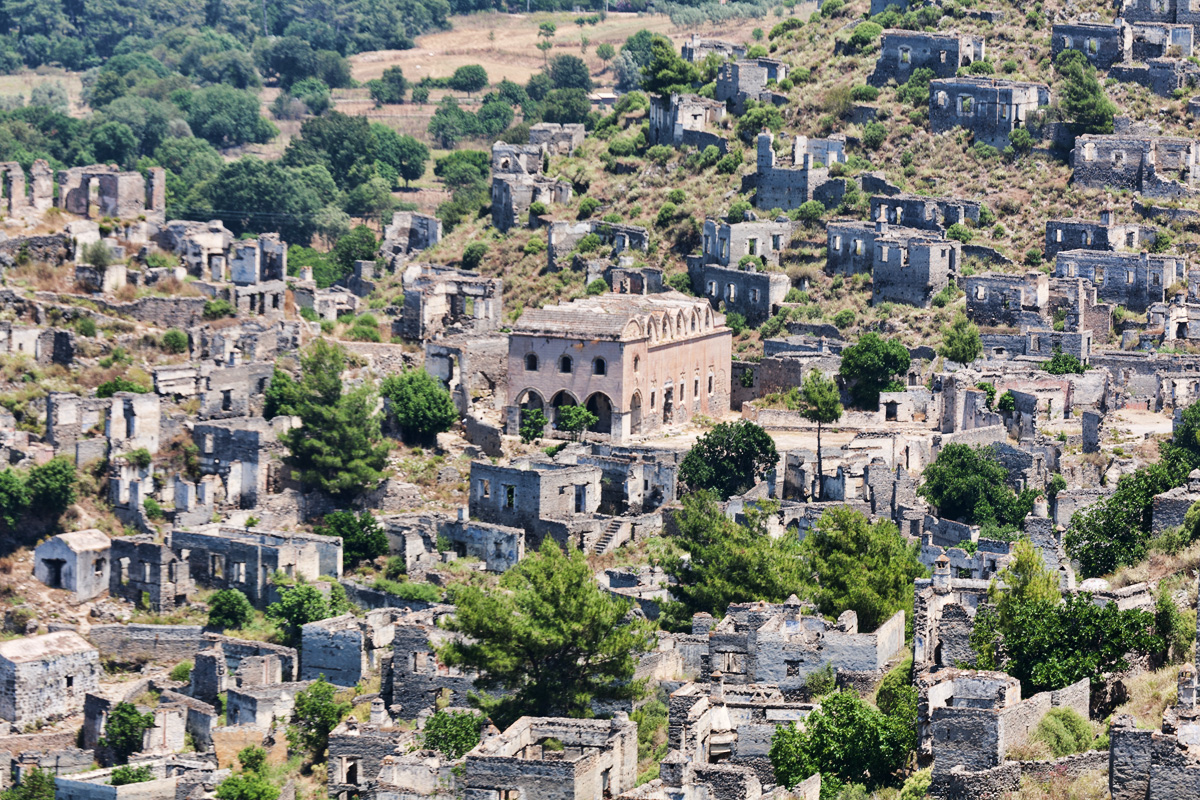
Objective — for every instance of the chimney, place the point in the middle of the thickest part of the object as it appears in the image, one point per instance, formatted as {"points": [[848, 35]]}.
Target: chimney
{"points": [[941, 575]]}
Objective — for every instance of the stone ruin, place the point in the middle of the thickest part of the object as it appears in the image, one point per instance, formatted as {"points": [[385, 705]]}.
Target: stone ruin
{"points": [[1156, 166], [441, 301], [988, 107], [518, 183], [903, 51]]}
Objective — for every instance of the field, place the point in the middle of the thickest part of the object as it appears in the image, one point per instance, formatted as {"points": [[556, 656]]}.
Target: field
{"points": [[22, 83], [504, 44]]}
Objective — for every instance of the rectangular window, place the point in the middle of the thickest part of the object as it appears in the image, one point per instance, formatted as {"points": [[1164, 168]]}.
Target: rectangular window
{"points": [[776, 242], [1058, 235], [752, 247], [510, 496], [1129, 276], [484, 487]]}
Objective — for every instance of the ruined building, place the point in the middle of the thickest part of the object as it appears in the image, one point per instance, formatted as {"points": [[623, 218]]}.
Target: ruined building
{"points": [[807, 179], [1084, 234], [720, 275], [1133, 280], [1019, 301], [557, 139], [440, 300], [1156, 166], [104, 191], [43, 677], [77, 562], [988, 107], [697, 48], [902, 51], [912, 269], [739, 81], [684, 119], [638, 362], [144, 571], [518, 182], [408, 233]]}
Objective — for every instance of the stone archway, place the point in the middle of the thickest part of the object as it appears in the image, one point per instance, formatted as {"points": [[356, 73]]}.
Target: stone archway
{"points": [[635, 413], [602, 407], [561, 400]]}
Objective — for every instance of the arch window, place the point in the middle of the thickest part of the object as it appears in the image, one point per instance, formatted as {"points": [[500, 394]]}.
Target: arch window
{"points": [[565, 364], [637, 363], [531, 362], [599, 367]]}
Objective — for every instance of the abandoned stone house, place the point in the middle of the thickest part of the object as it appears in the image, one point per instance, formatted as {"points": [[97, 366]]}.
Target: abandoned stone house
{"points": [[44, 346], [696, 48], [518, 183], [262, 707], [472, 368], [1133, 280], [616, 239], [44, 677], [557, 139], [524, 493], [1018, 301], [440, 300], [104, 191], [988, 107], [807, 179], [1083, 234], [77, 562], [912, 269], [638, 362], [1163, 76], [1159, 11], [969, 721], [345, 650], [748, 79], [221, 557], [145, 571], [779, 644], [358, 750], [903, 51], [1176, 321], [1156, 166], [238, 451], [750, 291], [1102, 45], [598, 759], [201, 246], [412, 678], [1161, 40], [923, 213], [684, 119], [850, 245], [226, 663], [409, 232], [726, 244]]}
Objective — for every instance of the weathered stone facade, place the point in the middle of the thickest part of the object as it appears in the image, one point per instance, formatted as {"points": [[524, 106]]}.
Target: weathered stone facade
{"points": [[902, 51], [1083, 234], [439, 300], [1102, 45], [697, 48], [1156, 166], [43, 677], [988, 107], [807, 179], [518, 182], [911, 270], [683, 119], [77, 562], [999, 299], [1134, 280]]}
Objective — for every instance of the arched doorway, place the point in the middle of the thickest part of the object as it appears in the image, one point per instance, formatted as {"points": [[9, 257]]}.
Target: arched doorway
{"points": [[668, 405], [529, 400], [561, 400], [601, 406], [635, 413]]}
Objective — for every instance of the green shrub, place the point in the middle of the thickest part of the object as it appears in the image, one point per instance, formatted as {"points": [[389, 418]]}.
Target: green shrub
{"points": [[217, 309], [175, 341], [864, 94], [735, 322], [821, 681], [666, 215], [153, 509], [598, 286], [737, 211], [873, 136], [535, 246], [473, 254], [832, 8], [228, 609], [119, 384], [810, 211], [125, 775], [1064, 731], [86, 326], [424, 592], [843, 319], [587, 207], [676, 196], [1033, 257], [589, 243], [960, 232], [181, 672]]}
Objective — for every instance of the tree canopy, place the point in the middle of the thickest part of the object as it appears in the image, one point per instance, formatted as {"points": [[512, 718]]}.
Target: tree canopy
{"points": [[452, 732], [870, 366], [666, 71], [551, 637], [362, 537], [124, 730], [721, 561], [302, 603], [338, 447], [421, 405], [961, 342], [970, 485], [729, 459], [1083, 101], [820, 402], [861, 566]]}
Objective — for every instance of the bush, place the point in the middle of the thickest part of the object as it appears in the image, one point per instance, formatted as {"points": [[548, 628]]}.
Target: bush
{"points": [[154, 511], [123, 776], [124, 729], [832, 8], [960, 232], [843, 319], [86, 326], [217, 309], [119, 384], [864, 94], [676, 196], [318, 711], [873, 136], [362, 537], [420, 403], [473, 254], [666, 215], [709, 156], [737, 211], [1033, 257], [181, 672], [810, 211], [735, 322], [598, 286], [228, 609], [424, 592], [452, 733], [865, 35], [1064, 732], [175, 341], [534, 246], [587, 207], [729, 164]]}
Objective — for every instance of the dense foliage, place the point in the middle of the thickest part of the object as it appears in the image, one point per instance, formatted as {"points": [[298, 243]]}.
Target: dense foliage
{"points": [[452, 732], [318, 712], [729, 459], [970, 485], [961, 341], [124, 730], [820, 402], [722, 561], [338, 447], [870, 366], [229, 609], [551, 638], [863, 566], [362, 537], [46, 489], [302, 603], [421, 405]]}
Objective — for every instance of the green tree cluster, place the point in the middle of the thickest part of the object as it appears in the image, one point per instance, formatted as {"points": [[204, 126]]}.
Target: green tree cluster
{"points": [[870, 366], [550, 637], [338, 447], [362, 536], [729, 459], [720, 561], [46, 490], [318, 712], [420, 404], [453, 733], [229, 609], [1083, 101], [301, 603], [124, 730], [970, 485]]}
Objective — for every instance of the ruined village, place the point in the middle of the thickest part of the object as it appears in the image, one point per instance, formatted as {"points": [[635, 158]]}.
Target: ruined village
{"points": [[793, 402]]}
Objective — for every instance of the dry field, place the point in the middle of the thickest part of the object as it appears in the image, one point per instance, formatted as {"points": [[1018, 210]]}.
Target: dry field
{"points": [[23, 83], [504, 44]]}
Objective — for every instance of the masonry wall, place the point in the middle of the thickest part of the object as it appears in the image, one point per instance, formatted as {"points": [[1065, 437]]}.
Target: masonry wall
{"points": [[47, 687]]}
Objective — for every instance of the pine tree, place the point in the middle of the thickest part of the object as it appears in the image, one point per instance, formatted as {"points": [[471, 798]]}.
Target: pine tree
{"points": [[820, 403]]}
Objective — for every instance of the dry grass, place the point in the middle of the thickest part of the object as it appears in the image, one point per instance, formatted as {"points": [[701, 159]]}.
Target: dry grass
{"points": [[1157, 566], [25, 81], [510, 53], [1092, 786], [1150, 693]]}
